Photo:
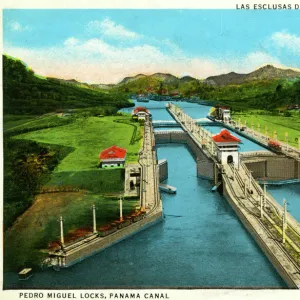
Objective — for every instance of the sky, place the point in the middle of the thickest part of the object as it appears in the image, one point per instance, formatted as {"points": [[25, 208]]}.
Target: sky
{"points": [[104, 46]]}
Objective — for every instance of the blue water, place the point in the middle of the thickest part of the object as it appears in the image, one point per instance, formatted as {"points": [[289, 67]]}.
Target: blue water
{"points": [[156, 108], [201, 243], [291, 192], [158, 111]]}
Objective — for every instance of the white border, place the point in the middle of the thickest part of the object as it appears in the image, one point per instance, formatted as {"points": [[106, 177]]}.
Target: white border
{"points": [[232, 294]]}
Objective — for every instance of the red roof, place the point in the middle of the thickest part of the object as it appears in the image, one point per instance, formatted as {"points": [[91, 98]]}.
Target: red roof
{"points": [[113, 152], [225, 137], [140, 108]]}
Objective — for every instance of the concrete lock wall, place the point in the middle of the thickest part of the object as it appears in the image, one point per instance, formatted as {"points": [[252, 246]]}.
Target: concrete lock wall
{"points": [[205, 166], [170, 137], [100, 244], [247, 220], [163, 170], [274, 168]]}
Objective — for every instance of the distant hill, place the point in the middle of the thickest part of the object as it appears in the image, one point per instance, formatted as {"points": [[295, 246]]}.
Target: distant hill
{"points": [[187, 79], [155, 82], [270, 72], [167, 78], [130, 79], [267, 72], [26, 93]]}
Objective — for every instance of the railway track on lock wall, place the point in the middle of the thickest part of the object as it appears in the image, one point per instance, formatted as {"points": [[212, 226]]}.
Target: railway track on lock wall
{"points": [[277, 209], [265, 228], [276, 233]]}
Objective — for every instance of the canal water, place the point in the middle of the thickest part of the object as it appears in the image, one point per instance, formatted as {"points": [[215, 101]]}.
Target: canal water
{"points": [[290, 192], [200, 243]]}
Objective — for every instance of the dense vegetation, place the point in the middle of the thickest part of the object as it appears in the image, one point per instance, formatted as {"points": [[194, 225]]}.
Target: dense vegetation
{"points": [[25, 93], [27, 166], [29, 104], [262, 94]]}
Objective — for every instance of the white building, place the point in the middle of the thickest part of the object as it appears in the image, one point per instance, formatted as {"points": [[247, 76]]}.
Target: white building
{"points": [[112, 157], [140, 112], [227, 147]]}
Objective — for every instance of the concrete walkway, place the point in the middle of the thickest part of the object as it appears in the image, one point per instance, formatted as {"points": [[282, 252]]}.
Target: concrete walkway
{"points": [[150, 198]]}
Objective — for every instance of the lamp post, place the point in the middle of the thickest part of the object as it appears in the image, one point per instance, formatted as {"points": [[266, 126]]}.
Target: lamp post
{"points": [[286, 139], [94, 220], [261, 206], [285, 213], [62, 240], [121, 209]]}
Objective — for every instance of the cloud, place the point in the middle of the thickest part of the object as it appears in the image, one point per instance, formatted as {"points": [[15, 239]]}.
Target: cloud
{"points": [[70, 42], [109, 28], [287, 41], [97, 61], [16, 26]]}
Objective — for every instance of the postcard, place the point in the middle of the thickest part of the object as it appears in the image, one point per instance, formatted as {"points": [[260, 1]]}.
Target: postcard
{"points": [[151, 152]]}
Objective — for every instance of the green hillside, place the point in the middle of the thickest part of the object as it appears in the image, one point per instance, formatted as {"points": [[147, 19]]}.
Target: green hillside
{"points": [[257, 93], [26, 93]]}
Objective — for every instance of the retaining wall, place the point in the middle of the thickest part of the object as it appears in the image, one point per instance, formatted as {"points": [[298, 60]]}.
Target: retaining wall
{"points": [[163, 170], [99, 243], [205, 166], [265, 242], [274, 168]]}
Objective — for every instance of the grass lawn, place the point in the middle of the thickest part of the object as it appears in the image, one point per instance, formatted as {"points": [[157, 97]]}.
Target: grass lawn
{"points": [[102, 181], [88, 136], [11, 121], [19, 124], [279, 123], [39, 225]]}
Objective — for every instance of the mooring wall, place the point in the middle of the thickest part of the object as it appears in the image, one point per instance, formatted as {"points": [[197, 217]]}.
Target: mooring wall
{"points": [[99, 244], [273, 167], [205, 166], [264, 241], [163, 170]]}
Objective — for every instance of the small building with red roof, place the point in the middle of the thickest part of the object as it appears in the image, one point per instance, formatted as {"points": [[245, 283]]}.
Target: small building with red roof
{"points": [[140, 112], [112, 157], [227, 147]]}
